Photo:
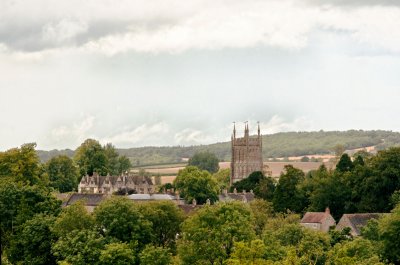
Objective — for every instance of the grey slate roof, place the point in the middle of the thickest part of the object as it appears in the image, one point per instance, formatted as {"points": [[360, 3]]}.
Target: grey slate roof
{"points": [[313, 217], [356, 221], [88, 198], [247, 197], [145, 197]]}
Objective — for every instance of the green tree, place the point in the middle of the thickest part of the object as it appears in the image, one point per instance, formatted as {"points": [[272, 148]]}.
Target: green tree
{"points": [[80, 247], [19, 203], [208, 236], [305, 159], [205, 161], [120, 218], [112, 159], [287, 241], [21, 164], [124, 164], [74, 217], [262, 186], [358, 161], [62, 173], [262, 211], [329, 190], [251, 253], [118, 254], [32, 242], [313, 247], [275, 240], [371, 230], [91, 157], [339, 236], [223, 178], [116, 164], [359, 251], [193, 183], [166, 219], [344, 164], [389, 231], [287, 195], [152, 255], [373, 184]]}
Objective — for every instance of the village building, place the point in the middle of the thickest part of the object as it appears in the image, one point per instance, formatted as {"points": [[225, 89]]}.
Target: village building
{"points": [[356, 221], [90, 201], [246, 155], [156, 197], [110, 184], [244, 196], [321, 221]]}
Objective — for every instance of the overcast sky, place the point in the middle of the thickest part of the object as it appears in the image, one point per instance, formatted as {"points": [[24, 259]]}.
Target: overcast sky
{"points": [[174, 72]]}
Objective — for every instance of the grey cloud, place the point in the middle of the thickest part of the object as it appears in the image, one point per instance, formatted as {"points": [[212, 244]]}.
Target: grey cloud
{"points": [[152, 28], [27, 35]]}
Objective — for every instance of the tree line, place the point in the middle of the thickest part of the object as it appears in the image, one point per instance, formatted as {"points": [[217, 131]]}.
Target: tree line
{"points": [[35, 229], [275, 145], [62, 172]]}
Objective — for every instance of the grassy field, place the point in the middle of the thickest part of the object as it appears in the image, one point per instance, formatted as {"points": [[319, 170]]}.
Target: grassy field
{"points": [[168, 174]]}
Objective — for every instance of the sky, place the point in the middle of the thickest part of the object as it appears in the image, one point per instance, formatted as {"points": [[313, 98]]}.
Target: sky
{"points": [[173, 72]]}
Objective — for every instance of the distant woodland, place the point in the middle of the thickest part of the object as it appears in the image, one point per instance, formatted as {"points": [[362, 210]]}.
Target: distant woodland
{"points": [[274, 145]]}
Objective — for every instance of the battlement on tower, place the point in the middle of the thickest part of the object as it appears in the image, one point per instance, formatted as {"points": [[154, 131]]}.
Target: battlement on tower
{"points": [[246, 154]]}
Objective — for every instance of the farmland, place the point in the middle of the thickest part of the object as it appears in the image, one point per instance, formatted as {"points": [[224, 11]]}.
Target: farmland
{"points": [[168, 173]]}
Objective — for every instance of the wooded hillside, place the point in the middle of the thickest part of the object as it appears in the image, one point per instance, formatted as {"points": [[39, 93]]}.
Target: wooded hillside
{"points": [[274, 145]]}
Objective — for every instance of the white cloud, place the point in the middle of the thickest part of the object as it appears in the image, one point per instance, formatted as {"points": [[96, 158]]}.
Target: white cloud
{"points": [[221, 25], [191, 136], [377, 26], [63, 31], [278, 124], [176, 26], [143, 133], [72, 135]]}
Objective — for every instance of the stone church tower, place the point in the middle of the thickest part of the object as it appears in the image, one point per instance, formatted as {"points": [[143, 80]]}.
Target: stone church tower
{"points": [[246, 154]]}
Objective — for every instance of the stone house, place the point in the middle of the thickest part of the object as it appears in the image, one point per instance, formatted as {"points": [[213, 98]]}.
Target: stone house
{"points": [[236, 196], [356, 221], [321, 221], [110, 184]]}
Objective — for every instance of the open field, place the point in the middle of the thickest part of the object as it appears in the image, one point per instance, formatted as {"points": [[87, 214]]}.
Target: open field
{"points": [[168, 174]]}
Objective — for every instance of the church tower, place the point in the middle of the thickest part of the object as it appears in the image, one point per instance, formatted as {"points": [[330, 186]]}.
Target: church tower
{"points": [[246, 154]]}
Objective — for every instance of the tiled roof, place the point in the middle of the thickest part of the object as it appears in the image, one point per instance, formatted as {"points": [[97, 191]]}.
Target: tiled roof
{"points": [[313, 217], [358, 220], [248, 197], [189, 208], [90, 199]]}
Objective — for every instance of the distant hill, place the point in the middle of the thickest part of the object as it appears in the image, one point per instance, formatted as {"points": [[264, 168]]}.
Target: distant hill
{"points": [[47, 155], [274, 145]]}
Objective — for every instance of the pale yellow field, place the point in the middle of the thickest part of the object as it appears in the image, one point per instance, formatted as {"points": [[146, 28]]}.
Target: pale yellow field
{"points": [[274, 167]]}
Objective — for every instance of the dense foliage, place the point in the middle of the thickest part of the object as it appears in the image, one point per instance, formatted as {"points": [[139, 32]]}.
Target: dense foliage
{"points": [[62, 173], [205, 161], [35, 230], [195, 184], [262, 186], [92, 157]]}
